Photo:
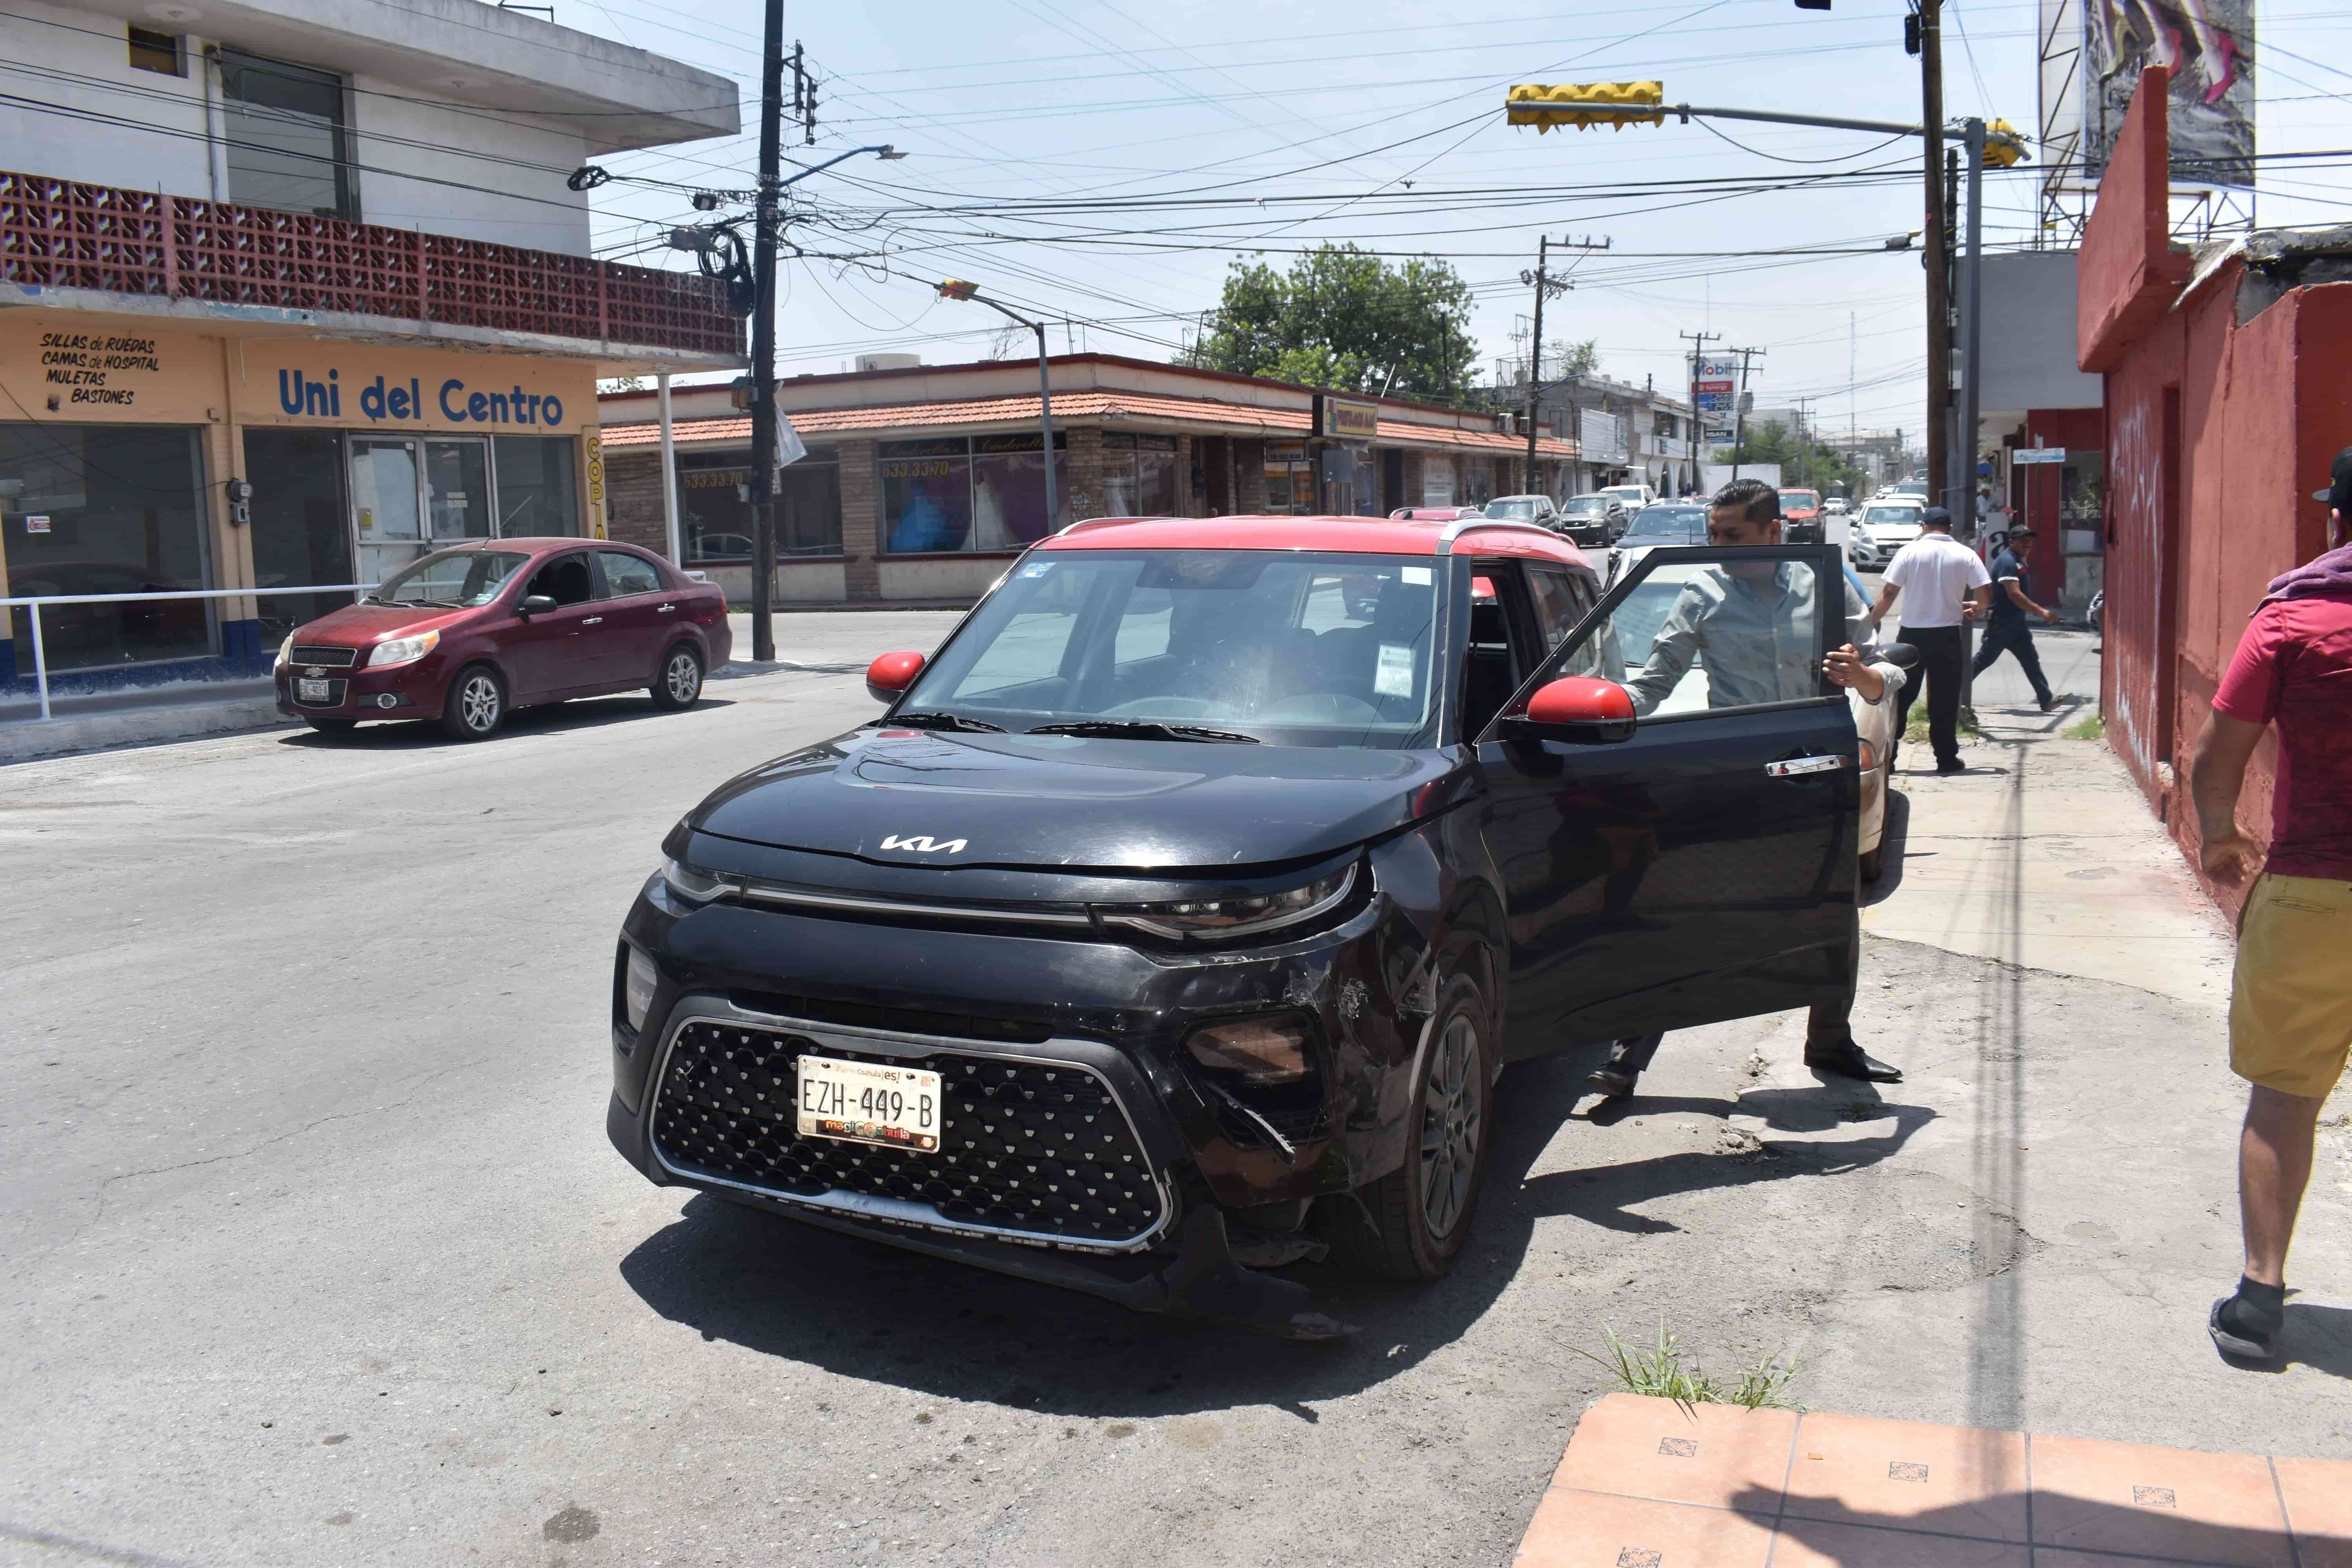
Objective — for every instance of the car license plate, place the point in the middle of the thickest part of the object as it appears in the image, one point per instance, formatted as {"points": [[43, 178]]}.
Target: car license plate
{"points": [[312, 690], [862, 1103]]}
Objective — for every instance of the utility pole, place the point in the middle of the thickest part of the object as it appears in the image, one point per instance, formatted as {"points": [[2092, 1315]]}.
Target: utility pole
{"points": [[1927, 23], [764, 338], [1739, 407], [1804, 443], [1698, 341], [1543, 284]]}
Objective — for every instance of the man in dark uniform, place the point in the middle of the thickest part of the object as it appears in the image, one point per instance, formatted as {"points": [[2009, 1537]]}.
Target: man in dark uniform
{"points": [[2007, 628]]}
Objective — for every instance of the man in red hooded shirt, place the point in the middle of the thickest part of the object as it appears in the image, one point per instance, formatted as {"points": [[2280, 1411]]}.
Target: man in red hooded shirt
{"points": [[2291, 998]]}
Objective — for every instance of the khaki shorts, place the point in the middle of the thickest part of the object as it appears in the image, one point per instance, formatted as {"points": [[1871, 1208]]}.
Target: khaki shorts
{"points": [[2291, 998]]}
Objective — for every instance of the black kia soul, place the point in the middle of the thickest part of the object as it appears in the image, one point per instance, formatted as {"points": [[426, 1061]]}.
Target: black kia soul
{"points": [[1177, 919]]}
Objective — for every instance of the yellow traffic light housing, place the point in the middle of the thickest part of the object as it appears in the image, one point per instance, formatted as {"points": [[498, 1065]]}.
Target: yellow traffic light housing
{"points": [[1616, 103], [2005, 148]]}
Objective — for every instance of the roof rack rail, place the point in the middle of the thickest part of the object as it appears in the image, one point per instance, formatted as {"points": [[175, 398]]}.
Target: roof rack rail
{"points": [[1085, 522], [1462, 525]]}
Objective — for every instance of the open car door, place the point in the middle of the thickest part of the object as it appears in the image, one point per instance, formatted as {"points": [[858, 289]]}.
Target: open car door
{"points": [[1671, 802]]}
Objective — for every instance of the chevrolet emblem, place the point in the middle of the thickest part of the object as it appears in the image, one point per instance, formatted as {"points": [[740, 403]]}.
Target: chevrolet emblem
{"points": [[314, 672]]}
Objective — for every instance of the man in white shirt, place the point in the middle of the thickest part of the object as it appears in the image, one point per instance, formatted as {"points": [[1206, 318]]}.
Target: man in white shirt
{"points": [[1937, 575]]}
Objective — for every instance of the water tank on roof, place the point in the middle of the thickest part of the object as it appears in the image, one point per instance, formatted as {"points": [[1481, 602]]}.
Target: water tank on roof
{"points": [[887, 361]]}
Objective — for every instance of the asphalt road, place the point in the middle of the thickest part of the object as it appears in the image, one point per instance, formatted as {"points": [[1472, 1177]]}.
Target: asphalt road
{"points": [[317, 1253]]}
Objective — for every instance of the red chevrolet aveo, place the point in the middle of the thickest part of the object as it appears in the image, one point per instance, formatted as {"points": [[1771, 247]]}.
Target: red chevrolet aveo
{"points": [[465, 635]]}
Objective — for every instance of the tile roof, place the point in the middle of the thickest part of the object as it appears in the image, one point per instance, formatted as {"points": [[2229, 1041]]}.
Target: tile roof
{"points": [[1088, 406]]}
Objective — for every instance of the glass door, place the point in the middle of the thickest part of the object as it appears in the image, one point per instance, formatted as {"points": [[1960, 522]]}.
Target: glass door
{"points": [[457, 491], [386, 508]]}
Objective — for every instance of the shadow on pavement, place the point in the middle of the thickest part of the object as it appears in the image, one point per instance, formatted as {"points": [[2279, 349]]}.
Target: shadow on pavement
{"points": [[545, 719], [2114, 1531], [864, 1310]]}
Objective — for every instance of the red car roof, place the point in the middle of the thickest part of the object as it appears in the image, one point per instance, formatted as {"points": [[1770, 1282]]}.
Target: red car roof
{"points": [[1352, 535]]}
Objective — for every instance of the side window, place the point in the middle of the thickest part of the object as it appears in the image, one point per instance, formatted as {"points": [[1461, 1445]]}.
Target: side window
{"points": [[1492, 667], [566, 580], [1699, 636], [626, 574], [1559, 604]]}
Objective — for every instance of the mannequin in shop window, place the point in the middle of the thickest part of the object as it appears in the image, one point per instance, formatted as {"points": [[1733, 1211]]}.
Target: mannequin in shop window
{"points": [[988, 528]]}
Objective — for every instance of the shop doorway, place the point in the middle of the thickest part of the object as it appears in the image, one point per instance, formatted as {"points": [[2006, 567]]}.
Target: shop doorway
{"points": [[301, 524], [387, 483]]}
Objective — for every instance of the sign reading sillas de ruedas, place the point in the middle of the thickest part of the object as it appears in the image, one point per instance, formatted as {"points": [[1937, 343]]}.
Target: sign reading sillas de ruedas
{"points": [[1346, 418]]}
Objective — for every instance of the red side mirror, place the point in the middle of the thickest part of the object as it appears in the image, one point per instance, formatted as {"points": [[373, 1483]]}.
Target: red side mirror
{"points": [[1585, 707], [891, 674]]}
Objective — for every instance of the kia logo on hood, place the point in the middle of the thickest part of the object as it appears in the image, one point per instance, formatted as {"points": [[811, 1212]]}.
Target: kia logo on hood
{"points": [[924, 844]]}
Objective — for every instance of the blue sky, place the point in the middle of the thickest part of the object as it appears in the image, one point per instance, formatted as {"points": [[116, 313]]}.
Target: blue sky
{"points": [[1364, 121]]}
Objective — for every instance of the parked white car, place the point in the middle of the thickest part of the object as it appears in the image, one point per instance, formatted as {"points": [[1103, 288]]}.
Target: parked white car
{"points": [[1635, 497]]}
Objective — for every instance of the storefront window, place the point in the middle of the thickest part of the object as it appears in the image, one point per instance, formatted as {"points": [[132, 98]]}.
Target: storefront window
{"points": [[105, 509], [1289, 478], [715, 514], [984, 494], [537, 494], [1139, 475]]}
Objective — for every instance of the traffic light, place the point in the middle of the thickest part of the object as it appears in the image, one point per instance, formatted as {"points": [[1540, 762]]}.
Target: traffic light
{"points": [[957, 288], [2007, 151], [1618, 103]]}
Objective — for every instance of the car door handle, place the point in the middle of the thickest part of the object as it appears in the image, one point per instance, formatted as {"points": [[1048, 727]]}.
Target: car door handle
{"points": [[593, 621], [1793, 766], [666, 609]]}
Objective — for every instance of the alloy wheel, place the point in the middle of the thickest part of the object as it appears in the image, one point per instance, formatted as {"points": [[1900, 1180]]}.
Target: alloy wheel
{"points": [[684, 678], [478, 703], [1451, 1128]]}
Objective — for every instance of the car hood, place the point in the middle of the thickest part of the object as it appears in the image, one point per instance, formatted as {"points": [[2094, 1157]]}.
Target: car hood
{"points": [[360, 626], [944, 799]]}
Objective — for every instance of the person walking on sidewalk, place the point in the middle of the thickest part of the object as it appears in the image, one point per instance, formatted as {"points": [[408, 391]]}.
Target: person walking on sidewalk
{"points": [[2291, 997], [1939, 575], [2007, 628]]}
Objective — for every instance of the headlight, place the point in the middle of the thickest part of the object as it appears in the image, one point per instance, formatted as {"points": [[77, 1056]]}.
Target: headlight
{"points": [[403, 650], [695, 887], [1262, 1050], [637, 991], [286, 649], [1223, 919]]}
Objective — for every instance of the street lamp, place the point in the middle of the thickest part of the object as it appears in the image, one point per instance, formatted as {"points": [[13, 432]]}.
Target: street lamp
{"points": [[957, 288]]}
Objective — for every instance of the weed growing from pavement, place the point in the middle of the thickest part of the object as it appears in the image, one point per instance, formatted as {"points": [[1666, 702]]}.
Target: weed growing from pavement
{"points": [[2089, 727], [1664, 1374], [1915, 733]]}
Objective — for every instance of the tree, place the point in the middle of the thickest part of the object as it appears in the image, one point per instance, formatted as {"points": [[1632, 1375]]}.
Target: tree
{"points": [[1347, 320], [1802, 461]]}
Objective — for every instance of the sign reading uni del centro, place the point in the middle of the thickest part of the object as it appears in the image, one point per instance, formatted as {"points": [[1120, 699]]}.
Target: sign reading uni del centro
{"points": [[378, 402]]}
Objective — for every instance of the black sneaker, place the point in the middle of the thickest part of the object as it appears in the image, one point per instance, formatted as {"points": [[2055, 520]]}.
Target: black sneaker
{"points": [[2241, 1338]]}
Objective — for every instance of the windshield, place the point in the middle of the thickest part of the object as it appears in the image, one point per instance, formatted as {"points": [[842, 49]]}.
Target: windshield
{"points": [[1291, 647], [1623, 492], [455, 579], [1667, 525], [1904, 514], [1514, 507], [1589, 503], [1799, 500]]}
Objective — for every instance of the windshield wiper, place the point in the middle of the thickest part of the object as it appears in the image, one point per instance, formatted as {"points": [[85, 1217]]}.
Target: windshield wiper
{"points": [[1144, 730], [943, 721]]}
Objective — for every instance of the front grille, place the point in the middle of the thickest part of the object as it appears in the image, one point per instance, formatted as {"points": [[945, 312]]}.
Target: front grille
{"points": [[338, 658], [1041, 1149], [334, 694]]}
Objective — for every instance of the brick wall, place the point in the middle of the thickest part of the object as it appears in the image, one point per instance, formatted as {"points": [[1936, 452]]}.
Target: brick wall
{"points": [[1084, 456], [632, 498], [861, 519], [1249, 477]]}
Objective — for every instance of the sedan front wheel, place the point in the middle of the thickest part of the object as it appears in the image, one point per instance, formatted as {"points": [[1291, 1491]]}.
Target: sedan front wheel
{"points": [[476, 704]]}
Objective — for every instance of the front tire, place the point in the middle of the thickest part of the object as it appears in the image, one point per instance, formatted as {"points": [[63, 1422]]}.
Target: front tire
{"points": [[679, 684], [1412, 1223], [476, 708]]}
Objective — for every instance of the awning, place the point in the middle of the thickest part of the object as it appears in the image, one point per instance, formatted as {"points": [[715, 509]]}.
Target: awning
{"points": [[1191, 416]]}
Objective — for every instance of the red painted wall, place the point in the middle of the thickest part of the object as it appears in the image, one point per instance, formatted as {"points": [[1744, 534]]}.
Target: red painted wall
{"points": [[2218, 432]]}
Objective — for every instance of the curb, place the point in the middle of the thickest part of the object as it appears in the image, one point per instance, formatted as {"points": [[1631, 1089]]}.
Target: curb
{"points": [[39, 738]]}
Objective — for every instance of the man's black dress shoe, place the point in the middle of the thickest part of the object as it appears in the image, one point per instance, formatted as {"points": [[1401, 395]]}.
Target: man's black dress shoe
{"points": [[1846, 1058]]}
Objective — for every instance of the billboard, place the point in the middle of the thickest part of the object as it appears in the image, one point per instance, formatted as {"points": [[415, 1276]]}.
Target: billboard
{"points": [[2207, 48], [1714, 386]]}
